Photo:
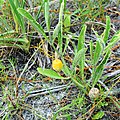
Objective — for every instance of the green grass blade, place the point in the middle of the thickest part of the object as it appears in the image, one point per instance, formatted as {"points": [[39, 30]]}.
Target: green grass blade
{"points": [[35, 24], [91, 51], [5, 34], [81, 38], [38, 13], [50, 73], [47, 16], [66, 45], [59, 30], [107, 29], [97, 53], [81, 41], [23, 3], [100, 68], [17, 16], [22, 43], [67, 23], [20, 40], [78, 57], [66, 69], [113, 41], [56, 31], [98, 115], [60, 36]]}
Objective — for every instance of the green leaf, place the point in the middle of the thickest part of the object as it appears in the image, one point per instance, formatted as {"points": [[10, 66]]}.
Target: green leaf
{"points": [[107, 29], [78, 57], [50, 73], [67, 18], [66, 45], [22, 43], [36, 25], [97, 53], [17, 16], [113, 41], [5, 34], [65, 68], [61, 11], [98, 115], [81, 38], [56, 31], [91, 51], [47, 17], [99, 70], [83, 13], [60, 34], [20, 40], [81, 41]]}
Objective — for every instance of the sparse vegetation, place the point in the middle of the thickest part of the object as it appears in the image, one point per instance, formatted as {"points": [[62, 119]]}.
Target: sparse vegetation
{"points": [[59, 60]]}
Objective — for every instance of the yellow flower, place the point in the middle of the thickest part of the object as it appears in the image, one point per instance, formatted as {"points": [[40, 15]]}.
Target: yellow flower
{"points": [[57, 65]]}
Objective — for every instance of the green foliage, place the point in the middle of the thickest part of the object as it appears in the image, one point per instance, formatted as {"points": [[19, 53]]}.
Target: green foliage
{"points": [[1, 2], [67, 22], [101, 50], [35, 24], [107, 29], [8, 36], [94, 55], [22, 43], [77, 58], [60, 34], [99, 69], [81, 42], [97, 52], [117, 103], [113, 41], [77, 102], [17, 17], [50, 73], [47, 16], [98, 115]]}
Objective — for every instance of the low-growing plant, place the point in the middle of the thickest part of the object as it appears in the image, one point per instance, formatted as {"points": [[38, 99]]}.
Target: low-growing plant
{"points": [[99, 53], [101, 49]]}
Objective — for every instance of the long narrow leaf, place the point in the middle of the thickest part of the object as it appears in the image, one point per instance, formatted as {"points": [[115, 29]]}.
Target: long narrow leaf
{"points": [[60, 36], [78, 57], [22, 43], [107, 29], [97, 53], [113, 41], [81, 41], [100, 68], [91, 51], [66, 69], [20, 40], [36, 25], [81, 38], [17, 15], [56, 31], [67, 18], [47, 17]]}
